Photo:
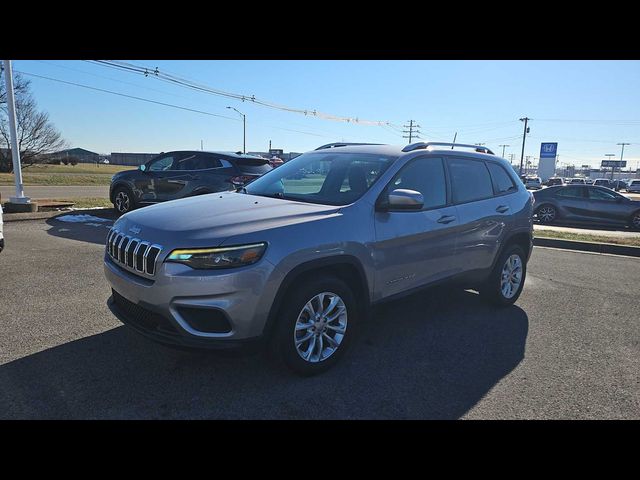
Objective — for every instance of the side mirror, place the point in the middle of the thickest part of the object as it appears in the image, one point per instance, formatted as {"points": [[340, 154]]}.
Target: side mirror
{"points": [[142, 167], [403, 199]]}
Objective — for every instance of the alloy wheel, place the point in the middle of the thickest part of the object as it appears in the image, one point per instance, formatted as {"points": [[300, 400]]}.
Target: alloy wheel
{"points": [[511, 277], [122, 202], [547, 214], [320, 327]]}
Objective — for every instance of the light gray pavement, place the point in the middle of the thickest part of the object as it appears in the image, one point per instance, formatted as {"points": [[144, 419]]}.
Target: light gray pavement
{"points": [[568, 349]]}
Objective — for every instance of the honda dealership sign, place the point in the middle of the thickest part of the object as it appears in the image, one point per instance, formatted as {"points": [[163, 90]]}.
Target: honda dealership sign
{"points": [[547, 162]]}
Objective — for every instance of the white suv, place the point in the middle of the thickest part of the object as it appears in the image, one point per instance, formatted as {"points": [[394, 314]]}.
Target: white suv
{"points": [[634, 187], [533, 182]]}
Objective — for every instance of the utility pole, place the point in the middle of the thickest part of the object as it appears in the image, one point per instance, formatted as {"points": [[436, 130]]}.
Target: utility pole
{"points": [[511, 155], [411, 127], [15, 150], [621, 154], [503, 147], [527, 163], [524, 137]]}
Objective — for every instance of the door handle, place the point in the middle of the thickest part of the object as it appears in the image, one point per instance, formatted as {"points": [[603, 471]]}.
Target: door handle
{"points": [[502, 208], [446, 219]]}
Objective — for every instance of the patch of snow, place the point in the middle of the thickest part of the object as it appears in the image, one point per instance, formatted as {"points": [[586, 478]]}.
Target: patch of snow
{"points": [[82, 219]]}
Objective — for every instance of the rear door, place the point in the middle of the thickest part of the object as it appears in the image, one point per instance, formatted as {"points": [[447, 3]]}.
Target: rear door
{"points": [[416, 247], [485, 217], [203, 172], [605, 207]]}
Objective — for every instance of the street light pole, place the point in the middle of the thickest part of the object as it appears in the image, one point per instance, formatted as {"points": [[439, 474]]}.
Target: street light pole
{"points": [[524, 138], [244, 129], [15, 150]]}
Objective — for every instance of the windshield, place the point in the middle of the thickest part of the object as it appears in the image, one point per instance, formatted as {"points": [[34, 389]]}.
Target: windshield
{"points": [[330, 178]]}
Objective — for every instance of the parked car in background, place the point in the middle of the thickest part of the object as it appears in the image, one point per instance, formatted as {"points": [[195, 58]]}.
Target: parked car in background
{"points": [[579, 181], [588, 181], [1, 234], [296, 265], [619, 185], [179, 174], [634, 186], [533, 183], [602, 182], [555, 181], [588, 204]]}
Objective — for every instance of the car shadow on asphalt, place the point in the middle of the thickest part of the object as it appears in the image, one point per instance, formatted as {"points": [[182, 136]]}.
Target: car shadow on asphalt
{"points": [[90, 226], [433, 355]]}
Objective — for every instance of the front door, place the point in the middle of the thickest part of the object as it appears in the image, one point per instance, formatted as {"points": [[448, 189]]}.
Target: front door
{"points": [[415, 247]]}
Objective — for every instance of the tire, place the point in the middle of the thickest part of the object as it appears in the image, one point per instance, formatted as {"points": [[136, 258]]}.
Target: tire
{"points": [[295, 312], [547, 213], [123, 200], [494, 290], [634, 221]]}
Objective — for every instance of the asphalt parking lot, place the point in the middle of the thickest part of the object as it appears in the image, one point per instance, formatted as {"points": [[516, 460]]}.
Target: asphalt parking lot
{"points": [[569, 348]]}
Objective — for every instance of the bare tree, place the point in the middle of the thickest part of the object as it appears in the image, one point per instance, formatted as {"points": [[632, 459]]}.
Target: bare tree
{"points": [[37, 136]]}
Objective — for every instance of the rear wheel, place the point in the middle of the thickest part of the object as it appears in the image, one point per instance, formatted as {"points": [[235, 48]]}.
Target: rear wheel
{"points": [[635, 220], [547, 213], [504, 285], [123, 200], [316, 325]]}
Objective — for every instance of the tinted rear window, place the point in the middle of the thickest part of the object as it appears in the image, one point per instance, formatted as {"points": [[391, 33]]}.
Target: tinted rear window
{"points": [[256, 166]]}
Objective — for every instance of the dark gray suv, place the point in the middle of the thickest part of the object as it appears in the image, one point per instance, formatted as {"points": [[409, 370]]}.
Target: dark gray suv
{"points": [[299, 256], [180, 174]]}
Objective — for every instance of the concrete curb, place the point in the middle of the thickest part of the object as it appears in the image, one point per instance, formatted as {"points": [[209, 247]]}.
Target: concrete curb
{"points": [[596, 247]]}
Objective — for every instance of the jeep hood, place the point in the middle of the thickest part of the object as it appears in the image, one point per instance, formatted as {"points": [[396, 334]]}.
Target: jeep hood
{"points": [[207, 220]]}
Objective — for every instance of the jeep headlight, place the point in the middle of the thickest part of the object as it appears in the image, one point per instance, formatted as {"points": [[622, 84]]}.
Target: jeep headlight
{"points": [[220, 257]]}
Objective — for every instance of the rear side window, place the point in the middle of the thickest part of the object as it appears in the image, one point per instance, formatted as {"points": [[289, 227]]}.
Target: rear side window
{"points": [[424, 175], [470, 180], [502, 182], [197, 161]]}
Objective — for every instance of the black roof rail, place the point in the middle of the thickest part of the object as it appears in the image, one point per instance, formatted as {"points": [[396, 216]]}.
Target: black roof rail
{"points": [[343, 144], [425, 145]]}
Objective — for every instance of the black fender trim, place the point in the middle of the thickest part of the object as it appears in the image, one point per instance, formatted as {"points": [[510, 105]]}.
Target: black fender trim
{"points": [[321, 263]]}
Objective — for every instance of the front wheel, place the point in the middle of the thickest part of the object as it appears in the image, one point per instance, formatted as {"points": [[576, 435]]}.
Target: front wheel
{"points": [[504, 285], [547, 214], [316, 325]]}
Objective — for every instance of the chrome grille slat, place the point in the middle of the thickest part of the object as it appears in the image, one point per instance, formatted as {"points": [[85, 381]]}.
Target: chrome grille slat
{"points": [[125, 250]]}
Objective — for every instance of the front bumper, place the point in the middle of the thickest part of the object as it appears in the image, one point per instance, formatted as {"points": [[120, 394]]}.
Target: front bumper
{"points": [[241, 296]]}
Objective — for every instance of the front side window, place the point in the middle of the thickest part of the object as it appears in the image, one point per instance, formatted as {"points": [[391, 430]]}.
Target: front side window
{"points": [[330, 178], [424, 175], [470, 180], [161, 164], [502, 182]]}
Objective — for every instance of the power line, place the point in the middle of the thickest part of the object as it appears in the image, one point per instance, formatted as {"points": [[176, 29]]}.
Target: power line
{"points": [[156, 73], [164, 104], [128, 96]]}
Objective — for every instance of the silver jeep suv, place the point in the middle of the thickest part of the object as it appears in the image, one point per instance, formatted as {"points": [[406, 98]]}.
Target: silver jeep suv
{"points": [[299, 256]]}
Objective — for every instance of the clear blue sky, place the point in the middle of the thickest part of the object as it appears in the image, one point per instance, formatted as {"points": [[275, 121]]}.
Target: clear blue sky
{"points": [[586, 106]]}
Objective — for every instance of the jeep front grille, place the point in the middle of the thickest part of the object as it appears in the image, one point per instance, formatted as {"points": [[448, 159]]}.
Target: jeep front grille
{"points": [[136, 254]]}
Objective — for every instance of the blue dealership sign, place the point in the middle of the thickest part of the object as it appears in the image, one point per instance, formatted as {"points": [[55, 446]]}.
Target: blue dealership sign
{"points": [[548, 150]]}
